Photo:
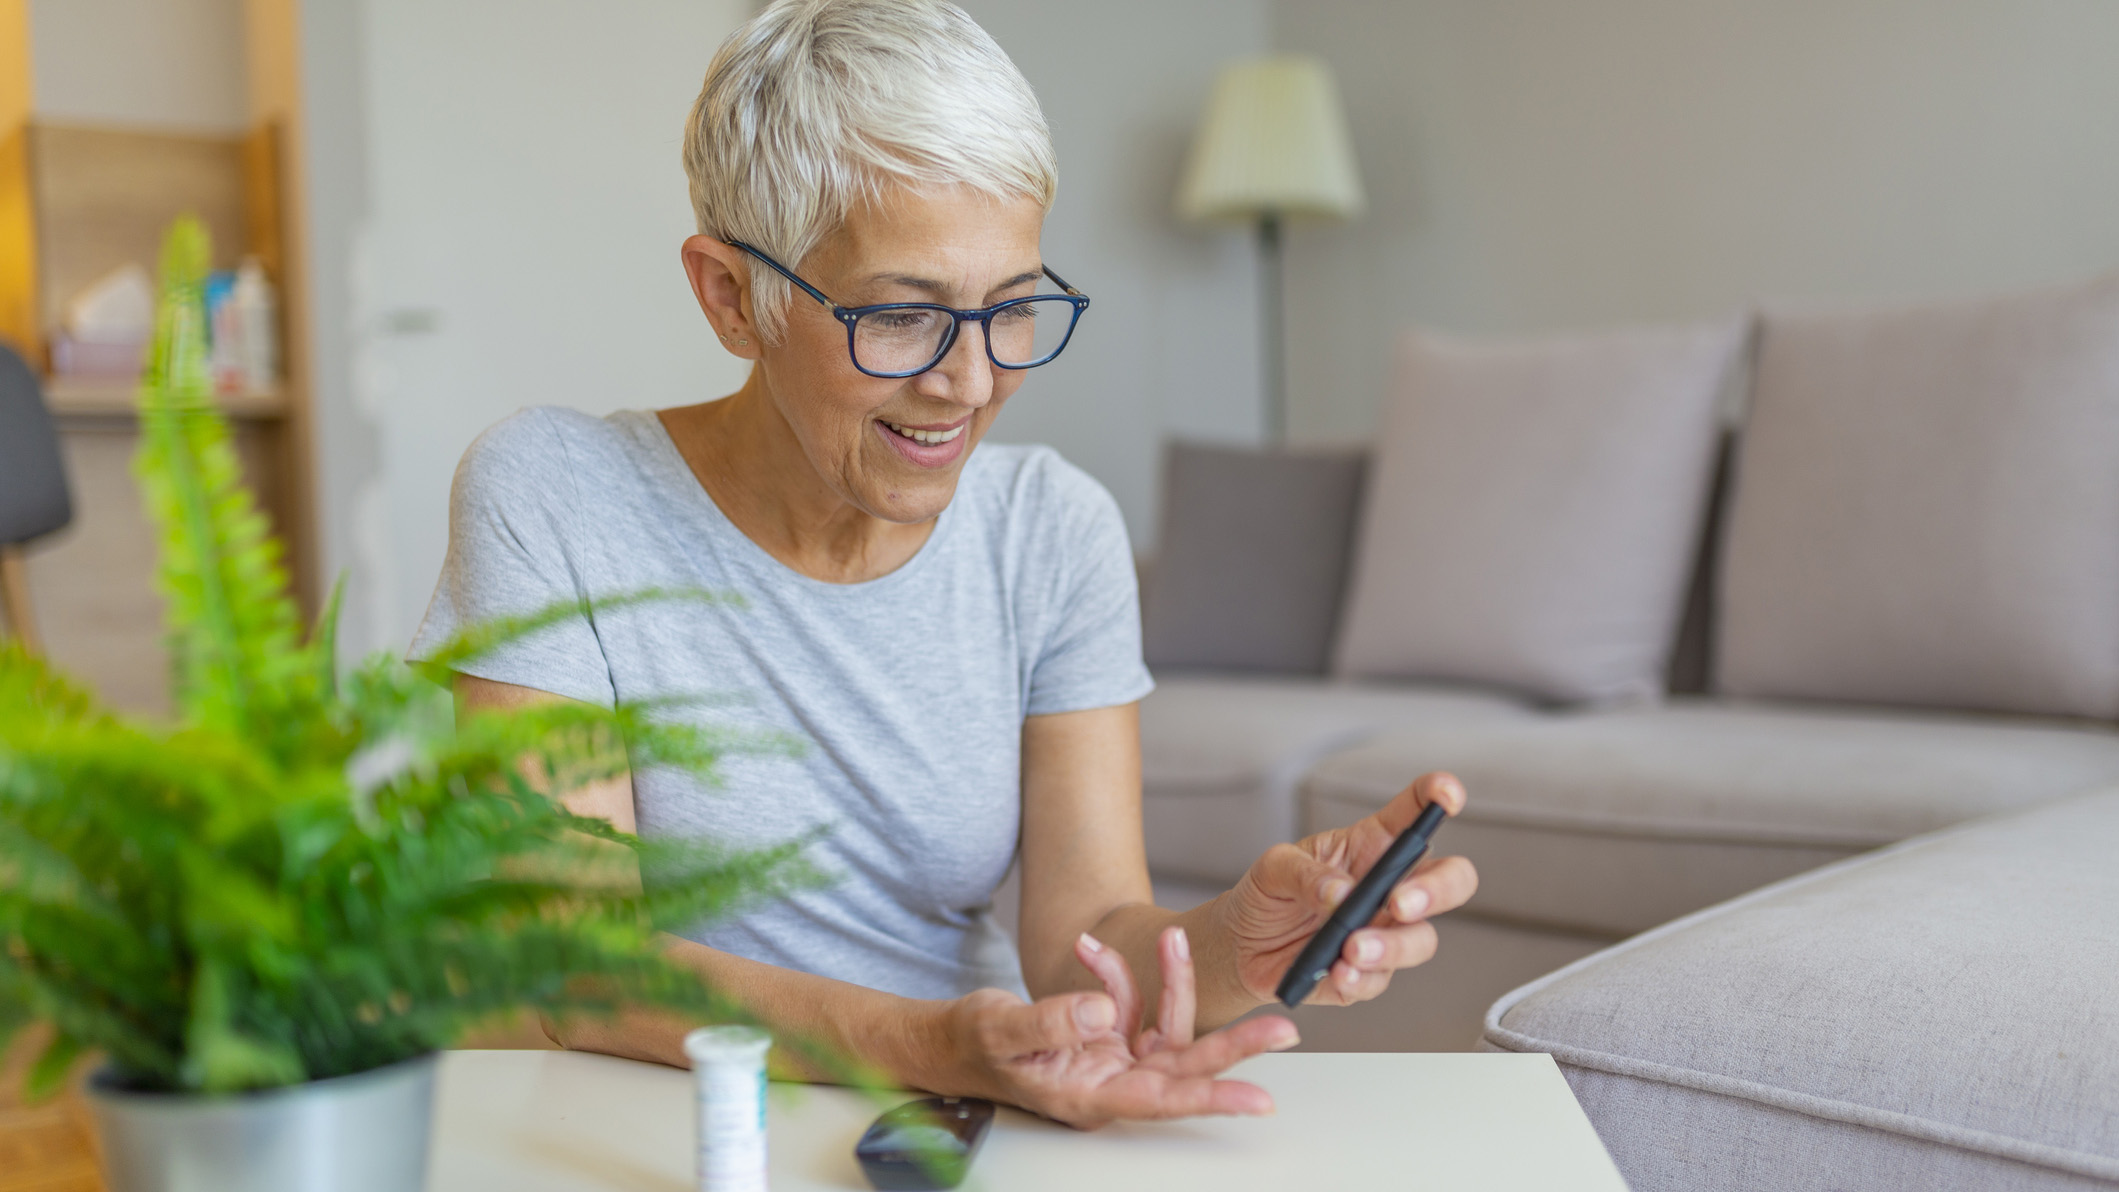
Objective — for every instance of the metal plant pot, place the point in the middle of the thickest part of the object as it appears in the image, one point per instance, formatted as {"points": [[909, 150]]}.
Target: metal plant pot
{"points": [[361, 1133]]}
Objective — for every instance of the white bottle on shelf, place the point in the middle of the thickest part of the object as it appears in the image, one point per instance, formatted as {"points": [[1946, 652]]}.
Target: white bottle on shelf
{"points": [[256, 312]]}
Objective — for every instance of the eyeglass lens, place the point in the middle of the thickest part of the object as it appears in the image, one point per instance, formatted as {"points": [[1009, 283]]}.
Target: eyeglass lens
{"points": [[1025, 334]]}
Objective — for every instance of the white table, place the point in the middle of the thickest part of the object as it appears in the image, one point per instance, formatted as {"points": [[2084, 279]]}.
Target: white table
{"points": [[543, 1121]]}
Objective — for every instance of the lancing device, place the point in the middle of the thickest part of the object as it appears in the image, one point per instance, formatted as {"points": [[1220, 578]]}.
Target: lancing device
{"points": [[1315, 962]]}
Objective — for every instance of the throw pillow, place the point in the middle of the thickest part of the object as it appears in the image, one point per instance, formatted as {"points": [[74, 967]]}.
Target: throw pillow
{"points": [[1251, 558], [1926, 508], [1535, 508]]}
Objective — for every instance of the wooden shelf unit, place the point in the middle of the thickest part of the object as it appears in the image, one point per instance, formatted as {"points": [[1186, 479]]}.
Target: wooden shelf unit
{"points": [[79, 200], [74, 397]]}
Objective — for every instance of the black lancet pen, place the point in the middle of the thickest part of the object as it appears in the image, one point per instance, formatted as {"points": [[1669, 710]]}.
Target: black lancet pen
{"points": [[1315, 961]]}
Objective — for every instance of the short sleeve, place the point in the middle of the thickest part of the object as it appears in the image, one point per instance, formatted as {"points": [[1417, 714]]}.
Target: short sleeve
{"points": [[1091, 653], [513, 549]]}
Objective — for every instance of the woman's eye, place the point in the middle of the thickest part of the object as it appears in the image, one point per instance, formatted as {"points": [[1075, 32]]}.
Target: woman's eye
{"points": [[1025, 313], [902, 320]]}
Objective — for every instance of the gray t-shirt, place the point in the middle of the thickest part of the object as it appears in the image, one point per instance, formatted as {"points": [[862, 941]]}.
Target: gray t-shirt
{"points": [[911, 689]]}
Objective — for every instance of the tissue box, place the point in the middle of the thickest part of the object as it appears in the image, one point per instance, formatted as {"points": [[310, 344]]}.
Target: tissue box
{"points": [[111, 359]]}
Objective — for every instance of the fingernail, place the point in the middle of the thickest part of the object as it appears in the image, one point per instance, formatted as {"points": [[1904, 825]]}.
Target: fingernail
{"points": [[1412, 902], [1182, 945], [1368, 950], [1089, 942], [1333, 890], [1094, 1013], [1290, 1040]]}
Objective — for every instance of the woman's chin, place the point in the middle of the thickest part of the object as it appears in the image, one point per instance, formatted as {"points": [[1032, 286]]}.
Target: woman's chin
{"points": [[908, 506], [896, 493]]}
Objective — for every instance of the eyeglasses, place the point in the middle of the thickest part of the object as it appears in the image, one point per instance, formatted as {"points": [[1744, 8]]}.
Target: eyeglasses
{"points": [[905, 339]]}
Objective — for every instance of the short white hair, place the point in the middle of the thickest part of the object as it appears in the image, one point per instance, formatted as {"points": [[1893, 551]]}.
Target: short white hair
{"points": [[816, 106]]}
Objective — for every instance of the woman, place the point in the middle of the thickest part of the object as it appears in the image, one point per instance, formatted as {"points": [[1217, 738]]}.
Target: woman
{"points": [[952, 627]]}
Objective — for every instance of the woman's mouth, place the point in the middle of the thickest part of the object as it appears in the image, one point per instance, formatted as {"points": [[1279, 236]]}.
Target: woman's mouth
{"points": [[925, 447], [928, 437]]}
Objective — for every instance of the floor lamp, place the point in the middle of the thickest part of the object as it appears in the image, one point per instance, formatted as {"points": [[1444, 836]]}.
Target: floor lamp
{"points": [[1272, 146]]}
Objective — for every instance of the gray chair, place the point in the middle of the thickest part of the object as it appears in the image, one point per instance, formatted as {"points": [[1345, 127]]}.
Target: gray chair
{"points": [[33, 495]]}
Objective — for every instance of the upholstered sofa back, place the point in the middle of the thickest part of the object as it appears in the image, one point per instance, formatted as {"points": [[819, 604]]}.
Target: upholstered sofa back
{"points": [[1915, 506]]}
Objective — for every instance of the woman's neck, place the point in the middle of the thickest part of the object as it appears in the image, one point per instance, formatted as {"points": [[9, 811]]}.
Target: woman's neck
{"points": [[747, 458]]}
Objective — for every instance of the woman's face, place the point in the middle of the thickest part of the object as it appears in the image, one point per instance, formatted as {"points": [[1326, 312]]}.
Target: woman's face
{"points": [[955, 247]]}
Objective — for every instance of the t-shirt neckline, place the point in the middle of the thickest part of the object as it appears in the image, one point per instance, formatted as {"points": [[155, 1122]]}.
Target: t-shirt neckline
{"points": [[678, 472]]}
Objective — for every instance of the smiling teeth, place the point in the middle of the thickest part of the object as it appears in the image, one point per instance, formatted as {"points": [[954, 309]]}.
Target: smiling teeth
{"points": [[930, 437]]}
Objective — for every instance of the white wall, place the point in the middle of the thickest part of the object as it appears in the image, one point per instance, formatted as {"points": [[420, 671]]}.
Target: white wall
{"points": [[174, 64], [498, 182], [517, 246], [1169, 344], [333, 72], [1547, 163]]}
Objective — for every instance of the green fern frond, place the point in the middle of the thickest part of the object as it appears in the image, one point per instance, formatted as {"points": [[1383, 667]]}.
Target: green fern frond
{"points": [[313, 874], [323, 641], [49, 1072], [32, 692], [233, 637], [15, 1012], [478, 641]]}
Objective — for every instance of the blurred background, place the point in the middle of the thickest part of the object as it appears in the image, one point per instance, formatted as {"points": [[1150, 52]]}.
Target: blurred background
{"points": [[464, 207]]}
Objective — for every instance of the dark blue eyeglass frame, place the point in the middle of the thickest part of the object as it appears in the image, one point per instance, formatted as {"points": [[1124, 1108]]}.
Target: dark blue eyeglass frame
{"points": [[850, 315]]}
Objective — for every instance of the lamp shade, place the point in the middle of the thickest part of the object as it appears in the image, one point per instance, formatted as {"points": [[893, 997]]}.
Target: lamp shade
{"points": [[1273, 142]]}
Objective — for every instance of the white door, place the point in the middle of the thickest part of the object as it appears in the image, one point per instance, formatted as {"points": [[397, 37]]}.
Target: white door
{"points": [[526, 202]]}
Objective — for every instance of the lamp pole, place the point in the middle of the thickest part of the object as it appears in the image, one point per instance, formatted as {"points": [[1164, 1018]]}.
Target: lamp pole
{"points": [[1273, 333], [1273, 143]]}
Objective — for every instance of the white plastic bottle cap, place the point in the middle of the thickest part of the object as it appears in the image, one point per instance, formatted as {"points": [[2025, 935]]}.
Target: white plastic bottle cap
{"points": [[727, 1044]]}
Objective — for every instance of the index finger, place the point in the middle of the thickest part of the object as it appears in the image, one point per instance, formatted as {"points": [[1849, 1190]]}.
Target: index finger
{"points": [[1367, 839], [1180, 999], [1439, 786], [1111, 968]]}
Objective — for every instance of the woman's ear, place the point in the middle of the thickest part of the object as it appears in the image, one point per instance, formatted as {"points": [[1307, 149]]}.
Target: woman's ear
{"points": [[720, 277]]}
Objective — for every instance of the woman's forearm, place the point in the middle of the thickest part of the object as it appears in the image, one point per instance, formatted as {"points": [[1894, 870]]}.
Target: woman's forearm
{"points": [[901, 1040]]}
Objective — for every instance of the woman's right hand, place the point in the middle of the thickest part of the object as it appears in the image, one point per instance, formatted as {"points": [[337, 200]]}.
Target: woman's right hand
{"points": [[1070, 1056]]}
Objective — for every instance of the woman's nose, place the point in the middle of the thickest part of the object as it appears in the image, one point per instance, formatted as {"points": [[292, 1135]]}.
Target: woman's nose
{"points": [[965, 373]]}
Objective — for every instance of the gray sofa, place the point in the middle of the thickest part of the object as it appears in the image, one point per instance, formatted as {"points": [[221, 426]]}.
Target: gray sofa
{"points": [[1587, 827], [1940, 1014], [1893, 609]]}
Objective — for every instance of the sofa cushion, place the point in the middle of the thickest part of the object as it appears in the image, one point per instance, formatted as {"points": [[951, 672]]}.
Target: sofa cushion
{"points": [[1533, 509], [1221, 756], [1252, 558], [1926, 508], [1616, 821], [1938, 1015]]}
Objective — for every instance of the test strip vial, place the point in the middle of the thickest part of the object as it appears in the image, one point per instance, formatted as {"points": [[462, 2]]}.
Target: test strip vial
{"points": [[728, 1069]]}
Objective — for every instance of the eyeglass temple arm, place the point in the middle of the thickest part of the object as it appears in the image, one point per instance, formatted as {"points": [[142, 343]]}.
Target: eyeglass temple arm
{"points": [[789, 274], [1061, 282], [818, 294]]}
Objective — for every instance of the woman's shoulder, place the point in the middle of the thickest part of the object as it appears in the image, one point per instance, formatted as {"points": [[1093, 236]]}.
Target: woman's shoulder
{"points": [[542, 452], [550, 434]]}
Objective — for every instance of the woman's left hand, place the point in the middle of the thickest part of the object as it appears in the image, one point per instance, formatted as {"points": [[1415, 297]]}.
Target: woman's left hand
{"points": [[1121, 1069], [1290, 891]]}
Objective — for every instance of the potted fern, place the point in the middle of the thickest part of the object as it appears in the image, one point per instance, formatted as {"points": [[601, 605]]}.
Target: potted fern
{"points": [[269, 915]]}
